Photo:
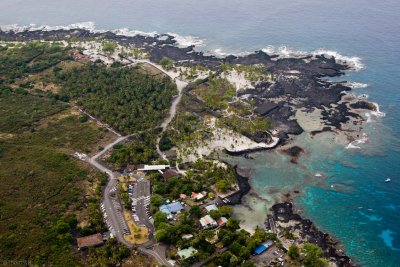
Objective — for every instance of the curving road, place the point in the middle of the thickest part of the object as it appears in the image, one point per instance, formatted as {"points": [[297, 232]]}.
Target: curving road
{"points": [[156, 251]]}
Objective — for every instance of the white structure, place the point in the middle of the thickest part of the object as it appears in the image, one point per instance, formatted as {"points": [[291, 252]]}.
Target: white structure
{"points": [[208, 222], [187, 237], [154, 167], [81, 156], [211, 207]]}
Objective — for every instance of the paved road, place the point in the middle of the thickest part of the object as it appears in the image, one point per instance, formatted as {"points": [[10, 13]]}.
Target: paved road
{"points": [[143, 190], [112, 213], [156, 252]]}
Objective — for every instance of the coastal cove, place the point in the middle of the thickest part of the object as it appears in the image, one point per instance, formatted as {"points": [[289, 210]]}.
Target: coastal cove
{"points": [[336, 182]]}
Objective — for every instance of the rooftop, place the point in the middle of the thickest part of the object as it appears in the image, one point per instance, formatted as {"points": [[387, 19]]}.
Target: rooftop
{"points": [[187, 253], [263, 247], [198, 196], [211, 207], [207, 221], [173, 207], [153, 167]]}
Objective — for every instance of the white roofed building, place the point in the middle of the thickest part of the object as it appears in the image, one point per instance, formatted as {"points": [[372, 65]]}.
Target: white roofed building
{"points": [[208, 222], [154, 167]]}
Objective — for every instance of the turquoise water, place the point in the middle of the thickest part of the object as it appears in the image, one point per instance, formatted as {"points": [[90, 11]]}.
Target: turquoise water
{"points": [[360, 209]]}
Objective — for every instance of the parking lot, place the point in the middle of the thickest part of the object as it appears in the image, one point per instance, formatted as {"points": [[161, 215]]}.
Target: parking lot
{"points": [[272, 255], [139, 193], [116, 206]]}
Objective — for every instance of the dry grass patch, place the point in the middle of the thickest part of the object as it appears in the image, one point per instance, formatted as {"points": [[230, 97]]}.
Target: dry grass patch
{"points": [[138, 234], [150, 69]]}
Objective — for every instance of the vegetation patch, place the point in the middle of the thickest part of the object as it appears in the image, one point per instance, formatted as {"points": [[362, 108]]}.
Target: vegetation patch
{"points": [[125, 98], [216, 93], [41, 191], [141, 150], [33, 57], [19, 111], [246, 126]]}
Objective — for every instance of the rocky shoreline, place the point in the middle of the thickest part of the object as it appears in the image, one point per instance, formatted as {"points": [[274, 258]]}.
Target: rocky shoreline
{"points": [[298, 81], [284, 214], [244, 188]]}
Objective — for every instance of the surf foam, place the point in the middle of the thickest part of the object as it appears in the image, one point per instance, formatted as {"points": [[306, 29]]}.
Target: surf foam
{"points": [[181, 40], [185, 41], [355, 143], [357, 85], [285, 52], [353, 62]]}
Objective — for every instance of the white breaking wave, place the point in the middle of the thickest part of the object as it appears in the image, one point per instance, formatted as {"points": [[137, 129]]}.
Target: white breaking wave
{"points": [[285, 52], [88, 25], [378, 112], [181, 41], [220, 53], [354, 62], [355, 143], [363, 96], [357, 85], [185, 41], [374, 114], [131, 33]]}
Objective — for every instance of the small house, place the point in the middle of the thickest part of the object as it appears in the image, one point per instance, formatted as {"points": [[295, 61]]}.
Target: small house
{"points": [[198, 196], [208, 222], [171, 208], [211, 207]]}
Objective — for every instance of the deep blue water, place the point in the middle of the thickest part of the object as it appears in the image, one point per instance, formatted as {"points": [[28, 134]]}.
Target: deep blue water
{"points": [[368, 29]]}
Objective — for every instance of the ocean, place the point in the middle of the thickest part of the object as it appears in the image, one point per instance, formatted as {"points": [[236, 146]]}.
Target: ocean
{"points": [[350, 199]]}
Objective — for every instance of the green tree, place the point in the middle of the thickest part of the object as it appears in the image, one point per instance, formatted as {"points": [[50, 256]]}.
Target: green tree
{"points": [[222, 186], [109, 47], [232, 223], [294, 252], [195, 211], [166, 63], [313, 255], [225, 210], [156, 200], [215, 214], [159, 217]]}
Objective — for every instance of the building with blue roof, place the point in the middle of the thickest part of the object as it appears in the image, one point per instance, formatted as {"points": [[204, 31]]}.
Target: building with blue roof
{"points": [[263, 247], [171, 208]]}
